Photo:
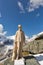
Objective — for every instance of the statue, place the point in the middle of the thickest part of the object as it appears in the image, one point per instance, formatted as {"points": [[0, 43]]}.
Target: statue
{"points": [[19, 41]]}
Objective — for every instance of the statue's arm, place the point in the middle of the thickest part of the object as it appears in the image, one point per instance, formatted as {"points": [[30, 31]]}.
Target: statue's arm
{"points": [[16, 37], [23, 37]]}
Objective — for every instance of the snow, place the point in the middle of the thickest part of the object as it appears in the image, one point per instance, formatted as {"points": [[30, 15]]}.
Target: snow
{"points": [[27, 37], [35, 36], [39, 58], [41, 33], [19, 62], [41, 62], [11, 37], [9, 47]]}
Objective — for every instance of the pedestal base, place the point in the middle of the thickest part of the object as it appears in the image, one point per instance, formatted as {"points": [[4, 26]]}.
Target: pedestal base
{"points": [[19, 62]]}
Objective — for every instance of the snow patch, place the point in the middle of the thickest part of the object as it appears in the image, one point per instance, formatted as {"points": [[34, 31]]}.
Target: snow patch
{"points": [[39, 58]]}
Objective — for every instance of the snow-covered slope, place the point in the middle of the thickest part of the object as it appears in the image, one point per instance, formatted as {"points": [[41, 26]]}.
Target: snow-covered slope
{"points": [[26, 39], [11, 37], [35, 36], [39, 58]]}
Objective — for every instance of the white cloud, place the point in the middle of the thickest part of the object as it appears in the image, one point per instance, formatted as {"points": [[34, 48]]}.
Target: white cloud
{"points": [[30, 9], [11, 37], [0, 15], [21, 7], [31, 5], [1, 30], [5, 32], [34, 4]]}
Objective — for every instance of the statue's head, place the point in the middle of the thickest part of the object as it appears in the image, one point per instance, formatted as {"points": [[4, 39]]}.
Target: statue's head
{"points": [[19, 27]]}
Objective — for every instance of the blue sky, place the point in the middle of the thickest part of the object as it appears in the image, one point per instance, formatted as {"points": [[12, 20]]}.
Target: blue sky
{"points": [[28, 13]]}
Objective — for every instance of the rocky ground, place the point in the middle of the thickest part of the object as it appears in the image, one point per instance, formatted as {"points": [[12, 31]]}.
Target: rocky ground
{"points": [[29, 60]]}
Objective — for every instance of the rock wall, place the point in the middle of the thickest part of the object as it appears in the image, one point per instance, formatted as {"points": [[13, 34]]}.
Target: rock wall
{"points": [[35, 46]]}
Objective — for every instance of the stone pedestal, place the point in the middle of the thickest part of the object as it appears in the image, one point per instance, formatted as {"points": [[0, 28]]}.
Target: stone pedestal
{"points": [[19, 62]]}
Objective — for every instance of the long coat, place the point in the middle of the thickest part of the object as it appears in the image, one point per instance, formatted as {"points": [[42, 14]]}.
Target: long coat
{"points": [[19, 41]]}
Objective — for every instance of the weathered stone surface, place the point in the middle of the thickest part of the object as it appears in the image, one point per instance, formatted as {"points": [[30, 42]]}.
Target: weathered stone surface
{"points": [[35, 46], [19, 62], [29, 60]]}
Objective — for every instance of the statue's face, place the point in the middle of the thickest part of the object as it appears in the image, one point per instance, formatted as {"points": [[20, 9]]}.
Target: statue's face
{"points": [[19, 27]]}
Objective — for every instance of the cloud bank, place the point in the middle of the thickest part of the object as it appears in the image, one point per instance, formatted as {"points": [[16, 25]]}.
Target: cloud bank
{"points": [[1, 28], [2, 32], [32, 5], [21, 7]]}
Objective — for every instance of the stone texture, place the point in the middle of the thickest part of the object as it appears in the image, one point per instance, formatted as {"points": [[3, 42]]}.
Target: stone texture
{"points": [[19, 62]]}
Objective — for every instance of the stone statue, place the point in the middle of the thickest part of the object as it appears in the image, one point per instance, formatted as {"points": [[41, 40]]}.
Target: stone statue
{"points": [[19, 41]]}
